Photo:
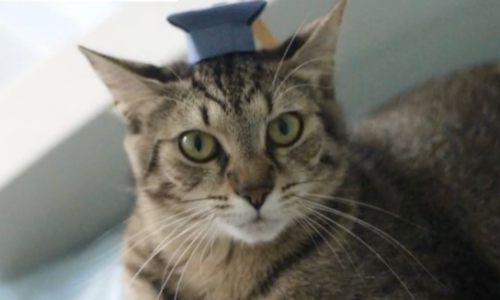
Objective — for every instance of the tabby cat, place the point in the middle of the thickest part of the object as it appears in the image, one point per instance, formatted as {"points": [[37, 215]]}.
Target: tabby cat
{"points": [[249, 186]]}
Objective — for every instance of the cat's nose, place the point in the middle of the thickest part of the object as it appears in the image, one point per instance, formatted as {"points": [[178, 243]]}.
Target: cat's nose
{"points": [[253, 182], [256, 196]]}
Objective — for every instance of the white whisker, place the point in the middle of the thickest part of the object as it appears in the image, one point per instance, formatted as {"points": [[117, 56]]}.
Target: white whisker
{"points": [[304, 225], [180, 80], [162, 225], [309, 221], [165, 242], [186, 103], [377, 231], [207, 245], [295, 70], [197, 233], [354, 203], [297, 86], [189, 260], [288, 48], [314, 211]]}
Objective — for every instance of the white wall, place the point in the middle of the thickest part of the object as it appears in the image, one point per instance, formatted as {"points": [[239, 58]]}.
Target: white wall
{"points": [[29, 32]]}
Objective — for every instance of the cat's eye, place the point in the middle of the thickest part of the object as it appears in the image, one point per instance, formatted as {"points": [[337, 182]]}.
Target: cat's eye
{"points": [[198, 146], [285, 130]]}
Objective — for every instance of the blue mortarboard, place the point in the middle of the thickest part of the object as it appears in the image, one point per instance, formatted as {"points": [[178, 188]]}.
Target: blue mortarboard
{"points": [[219, 30]]}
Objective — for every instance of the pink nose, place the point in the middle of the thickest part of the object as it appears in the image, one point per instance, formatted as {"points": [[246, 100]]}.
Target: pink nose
{"points": [[252, 190], [256, 196]]}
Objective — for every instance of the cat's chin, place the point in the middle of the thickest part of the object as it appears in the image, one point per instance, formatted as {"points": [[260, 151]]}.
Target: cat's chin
{"points": [[255, 232]]}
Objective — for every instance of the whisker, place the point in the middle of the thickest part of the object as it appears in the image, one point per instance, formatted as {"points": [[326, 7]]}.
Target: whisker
{"points": [[135, 212], [206, 198], [180, 80], [207, 231], [301, 85], [202, 257], [304, 225], [295, 70], [184, 103], [161, 228], [314, 211], [288, 48], [212, 243], [198, 233], [165, 242], [387, 237], [162, 225], [160, 247], [353, 202], [341, 245], [164, 284], [309, 221], [350, 258], [345, 251], [161, 222], [203, 253], [293, 184]]}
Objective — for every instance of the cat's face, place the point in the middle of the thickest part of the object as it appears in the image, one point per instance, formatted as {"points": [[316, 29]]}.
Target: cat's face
{"points": [[248, 147], [241, 140]]}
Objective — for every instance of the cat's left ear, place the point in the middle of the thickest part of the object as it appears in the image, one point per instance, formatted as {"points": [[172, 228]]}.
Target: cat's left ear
{"points": [[132, 84], [320, 38]]}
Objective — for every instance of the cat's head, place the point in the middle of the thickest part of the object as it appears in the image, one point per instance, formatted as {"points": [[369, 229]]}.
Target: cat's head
{"points": [[239, 142]]}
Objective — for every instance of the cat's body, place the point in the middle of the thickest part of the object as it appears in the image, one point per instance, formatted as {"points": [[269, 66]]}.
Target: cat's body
{"points": [[411, 165], [291, 205], [433, 157]]}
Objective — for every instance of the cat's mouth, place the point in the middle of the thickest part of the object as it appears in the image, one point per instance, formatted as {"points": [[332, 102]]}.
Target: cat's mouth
{"points": [[260, 220], [256, 229]]}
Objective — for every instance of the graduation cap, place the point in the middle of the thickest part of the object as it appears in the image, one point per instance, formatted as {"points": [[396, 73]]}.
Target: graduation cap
{"points": [[219, 30]]}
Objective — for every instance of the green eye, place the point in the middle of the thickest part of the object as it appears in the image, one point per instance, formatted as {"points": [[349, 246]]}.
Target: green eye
{"points": [[285, 129], [198, 146]]}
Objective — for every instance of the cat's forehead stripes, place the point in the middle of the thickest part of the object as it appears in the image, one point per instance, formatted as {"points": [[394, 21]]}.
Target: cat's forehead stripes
{"points": [[232, 82], [204, 115], [201, 87]]}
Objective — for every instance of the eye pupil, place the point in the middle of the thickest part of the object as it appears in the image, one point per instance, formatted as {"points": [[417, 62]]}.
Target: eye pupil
{"points": [[283, 126], [198, 143]]}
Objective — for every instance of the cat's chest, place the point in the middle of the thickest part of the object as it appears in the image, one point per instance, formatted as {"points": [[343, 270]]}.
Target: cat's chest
{"points": [[216, 274]]}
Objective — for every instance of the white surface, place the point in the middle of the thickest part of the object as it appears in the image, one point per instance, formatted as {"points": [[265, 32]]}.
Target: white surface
{"points": [[50, 102], [29, 32], [30, 35]]}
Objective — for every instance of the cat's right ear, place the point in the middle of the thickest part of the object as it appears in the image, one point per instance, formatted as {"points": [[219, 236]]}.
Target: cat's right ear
{"points": [[130, 83], [315, 45]]}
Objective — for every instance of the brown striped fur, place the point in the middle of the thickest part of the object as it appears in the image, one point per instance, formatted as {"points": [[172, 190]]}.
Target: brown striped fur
{"points": [[410, 205]]}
